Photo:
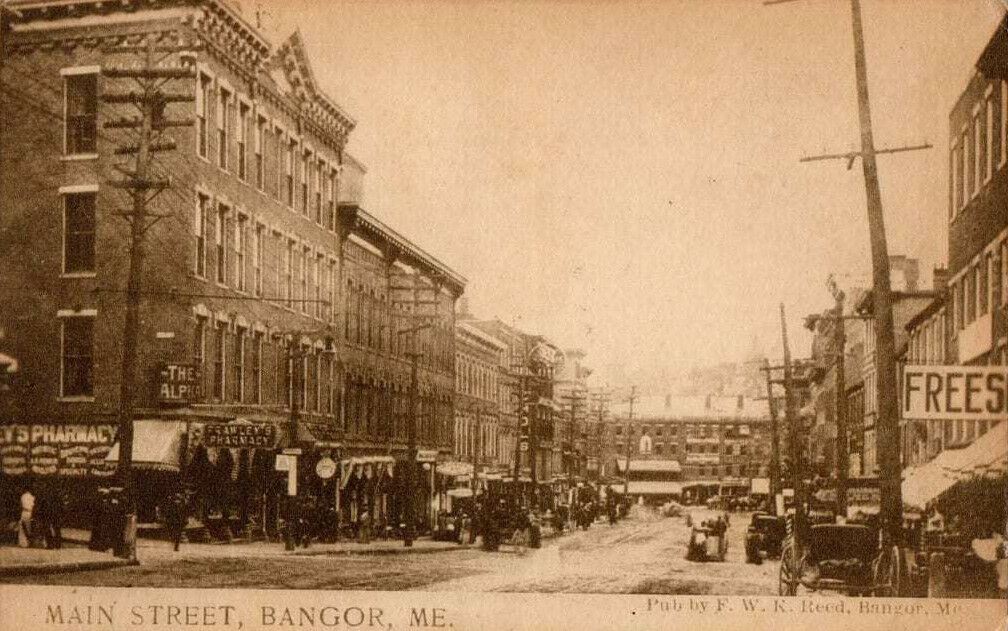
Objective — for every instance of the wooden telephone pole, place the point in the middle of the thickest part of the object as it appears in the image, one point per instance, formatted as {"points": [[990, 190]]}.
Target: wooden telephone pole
{"points": [[142, 186], [629, 446], [887, 423], [794, 444], [775, 483]]}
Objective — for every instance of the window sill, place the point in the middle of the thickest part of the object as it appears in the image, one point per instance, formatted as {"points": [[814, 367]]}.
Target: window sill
{"points": [[72, 275], [78, 157], [76, 399]]}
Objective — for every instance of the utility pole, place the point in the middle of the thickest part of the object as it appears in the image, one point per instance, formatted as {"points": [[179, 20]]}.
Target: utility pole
{"points": [[522, 434], [775, 483], [629, 447], [409, 512], [575, 399], [887, 423], [794, 429], [840, 341], [142, 188]]}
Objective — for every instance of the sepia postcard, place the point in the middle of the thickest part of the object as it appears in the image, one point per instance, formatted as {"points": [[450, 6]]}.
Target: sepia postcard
{"points": [[503, 314]]}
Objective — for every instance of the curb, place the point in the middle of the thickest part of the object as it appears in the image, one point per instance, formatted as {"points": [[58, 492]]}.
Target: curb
{"points": [[379, 551], [59, 568]]}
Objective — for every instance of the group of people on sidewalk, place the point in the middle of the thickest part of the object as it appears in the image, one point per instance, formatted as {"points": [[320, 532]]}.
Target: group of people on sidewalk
{"points": [[40, 523]]}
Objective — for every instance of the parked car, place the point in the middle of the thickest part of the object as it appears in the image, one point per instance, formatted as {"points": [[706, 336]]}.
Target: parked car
{"points": [[765, 534]]}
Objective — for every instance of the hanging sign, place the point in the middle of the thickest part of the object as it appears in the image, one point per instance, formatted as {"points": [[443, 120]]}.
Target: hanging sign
{"points": [[955, 392], [178, 384], [239, 435]]}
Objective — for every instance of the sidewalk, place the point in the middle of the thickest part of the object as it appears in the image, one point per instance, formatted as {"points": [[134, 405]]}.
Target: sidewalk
{"points": [[74, 556], [15, 561]]}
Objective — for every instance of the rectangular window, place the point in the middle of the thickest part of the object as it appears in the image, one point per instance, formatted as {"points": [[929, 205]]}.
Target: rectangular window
{"points": [[81, 113], [1004, 272], [257, 367], [331, 308], [971, 294], [317, 277], [238, 392], [1003, 120], [979, 151], [199, 349], [222, 212], [201, 227], [289, 275], [331, 200], [223, 127], [77, 363], [260, 165], [303, 180], [289, 172], [220, 356], [317, 190], [204, 96], [959, 184], [983, 289], [988, 138], [241, 251], [967, 173], [257, 259], [244, 119], [79, 233], [304, 273]]}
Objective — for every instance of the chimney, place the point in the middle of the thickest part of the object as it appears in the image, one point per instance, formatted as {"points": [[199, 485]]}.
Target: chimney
{"points": [[904, 273], [940, 279]]}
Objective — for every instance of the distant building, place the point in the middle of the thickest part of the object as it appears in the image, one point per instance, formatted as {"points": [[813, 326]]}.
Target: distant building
{"points": [[710, 439]]}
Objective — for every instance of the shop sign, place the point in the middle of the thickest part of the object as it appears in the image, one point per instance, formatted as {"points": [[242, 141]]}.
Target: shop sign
{"points": [[178, 384], [955, 392], [325, 468], [239, 435], [426, 455], [64, 449]]}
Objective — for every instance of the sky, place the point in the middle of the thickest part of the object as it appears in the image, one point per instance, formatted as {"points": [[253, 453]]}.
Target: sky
{"points": [[624, 177]]}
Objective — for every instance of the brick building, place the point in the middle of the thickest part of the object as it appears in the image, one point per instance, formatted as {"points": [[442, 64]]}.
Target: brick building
{"points": [[529, 369], [481, 438], [266, 274], [712, 439]]}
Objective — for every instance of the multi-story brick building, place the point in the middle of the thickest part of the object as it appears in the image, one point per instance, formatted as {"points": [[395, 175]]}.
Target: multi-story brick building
{"points": [[712, 439], [265, 274], [480, 436], [530, 364]]}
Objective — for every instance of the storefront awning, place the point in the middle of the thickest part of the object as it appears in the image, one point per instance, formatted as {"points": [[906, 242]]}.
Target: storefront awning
{"points": [[155, 445], [654, 488], [985, 455], [670, 466]]}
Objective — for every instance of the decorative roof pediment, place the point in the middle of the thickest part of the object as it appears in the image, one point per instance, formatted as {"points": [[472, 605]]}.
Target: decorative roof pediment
{"points": [[291, 70]]}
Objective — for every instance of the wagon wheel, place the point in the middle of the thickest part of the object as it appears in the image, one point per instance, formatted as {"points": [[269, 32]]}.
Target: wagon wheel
{"points": [[787, 583], [887, 572]]}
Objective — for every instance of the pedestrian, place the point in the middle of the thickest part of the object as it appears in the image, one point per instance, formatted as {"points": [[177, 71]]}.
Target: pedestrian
{"points": [[25, 523], [44, 517], [365, 525]]}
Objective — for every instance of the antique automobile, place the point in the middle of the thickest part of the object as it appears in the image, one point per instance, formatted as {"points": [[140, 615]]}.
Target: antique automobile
{"points": [[765, 535], [848, 558], [456, 525], [707, 539], [508, 523]]}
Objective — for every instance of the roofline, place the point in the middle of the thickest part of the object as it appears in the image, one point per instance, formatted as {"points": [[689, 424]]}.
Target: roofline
{"points": [[486, 337], [413, 253]]}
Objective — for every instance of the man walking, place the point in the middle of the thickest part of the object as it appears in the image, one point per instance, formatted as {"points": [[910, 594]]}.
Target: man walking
{"points": [[25, 523]]}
